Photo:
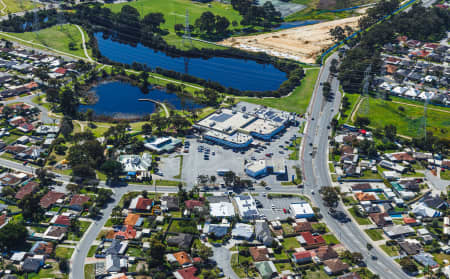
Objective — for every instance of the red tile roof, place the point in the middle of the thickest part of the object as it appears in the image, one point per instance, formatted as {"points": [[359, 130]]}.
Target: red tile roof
{"points": [[190, 204], [79, 200], [302, 255], [188, 273], [409, 220], [128, 233], [312, 240], [61, 71], [143, 204], [62, 220], [50, 198], [26, 190]]}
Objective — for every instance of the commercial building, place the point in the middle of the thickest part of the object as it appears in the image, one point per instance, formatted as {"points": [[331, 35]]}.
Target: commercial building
{"points": [[236, 127], [260, 168], [221, 210], [135, 164], [162, 144], [246, 207], [301, 210]]}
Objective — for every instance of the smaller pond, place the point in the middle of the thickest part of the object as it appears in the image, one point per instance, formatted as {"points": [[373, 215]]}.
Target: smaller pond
{"points": [[292, 24], [120, 100]]}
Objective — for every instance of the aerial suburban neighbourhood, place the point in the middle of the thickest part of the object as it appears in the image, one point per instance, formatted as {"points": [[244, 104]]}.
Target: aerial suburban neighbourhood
{"points": [[202, 139]]}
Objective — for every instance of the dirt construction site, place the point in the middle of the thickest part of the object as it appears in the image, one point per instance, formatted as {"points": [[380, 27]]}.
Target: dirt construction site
{"points": [[300, 43]]}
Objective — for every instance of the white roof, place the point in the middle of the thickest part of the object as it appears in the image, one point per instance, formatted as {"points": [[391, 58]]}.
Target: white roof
{"points": [[221, 209], [18, 256], [246, 206], [301, 208]]}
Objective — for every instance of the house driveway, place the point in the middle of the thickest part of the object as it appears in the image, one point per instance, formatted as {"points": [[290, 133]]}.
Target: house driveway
{"points": [[223, 258]]}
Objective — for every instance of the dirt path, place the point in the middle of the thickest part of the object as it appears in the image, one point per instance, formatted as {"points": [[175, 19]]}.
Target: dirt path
{"points": [[355, 110], [419, 106]]}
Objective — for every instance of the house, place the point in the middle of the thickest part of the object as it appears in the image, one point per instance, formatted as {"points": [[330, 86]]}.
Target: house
{"points": [[301, 210], [351, 275], [435, 202], [311, 241], [381, 219], [246, 207], [361, 196], [10, 179], [324, 253], [42, 248], [242, 231], [421, 209], [114, 263], [183, 258], [302, 227], [426, 259], [186, 273], [55, 233], [396, 231], [399, 157], [60, 220], [410, 247], [162, 144], [27, 189], [259, 254], [221, 210], [117, 247], [126, 232], [302, 257], [25, 127], [363, 187], [50, 198], [266, 269], [335, 266], [140, 204], [135, 164], [78, 201], [181, 240], [410, 221], [216, 230], [31, 265], [133, 220], [170, 203], [191, 204], [262, 232]]}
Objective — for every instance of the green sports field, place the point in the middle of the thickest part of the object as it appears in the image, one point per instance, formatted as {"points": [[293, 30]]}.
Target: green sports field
{"points": [[408, 119], [54, 37], [175, 12]]}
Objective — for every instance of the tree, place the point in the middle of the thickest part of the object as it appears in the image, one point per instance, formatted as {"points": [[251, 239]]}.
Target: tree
{"points": [[83, 171], [31, 209], [178, 27], [12, 236], [206, 22], [204, 251], [337, 33], [222, 24], [390, 131], [73, 188], [63, 265], [112, 169], [72, 46], [408, 265], [157, 250], [361, 121], [45, 177], [329, 195], [229, 178], [147, 129]]}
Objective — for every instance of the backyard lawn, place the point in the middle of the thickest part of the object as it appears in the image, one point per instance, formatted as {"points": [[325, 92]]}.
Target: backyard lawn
{"points": [[331, 239], [290, 243], [299, 99], [63, 252]]}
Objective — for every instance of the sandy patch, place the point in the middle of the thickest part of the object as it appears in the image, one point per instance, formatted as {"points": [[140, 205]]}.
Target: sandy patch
{"points": [[300, 43]]}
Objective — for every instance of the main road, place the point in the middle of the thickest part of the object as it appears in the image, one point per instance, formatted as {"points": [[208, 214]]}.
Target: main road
{"points": [[316, 175]]}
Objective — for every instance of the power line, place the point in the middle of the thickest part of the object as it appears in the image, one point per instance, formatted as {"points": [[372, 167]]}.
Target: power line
{"points": [[187, 31]]}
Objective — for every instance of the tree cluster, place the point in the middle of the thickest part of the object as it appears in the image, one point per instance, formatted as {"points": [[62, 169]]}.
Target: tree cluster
{"points": [[264, 15]]}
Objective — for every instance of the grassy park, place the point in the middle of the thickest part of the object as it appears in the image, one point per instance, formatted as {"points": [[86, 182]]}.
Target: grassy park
{"points": [[175, 13], [407, 118], [297, 102], [55, 37], [14, 6]]}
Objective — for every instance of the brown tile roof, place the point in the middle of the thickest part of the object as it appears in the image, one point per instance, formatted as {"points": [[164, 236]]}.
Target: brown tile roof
{"points": [[365, 196], [131, 219], [44, 248], [79, 200], [303, 227], [325, 253], [361, 187], [379, 218], [259, 254], [26, 190], [50, 198], [403, 156], [391, 69], [62, 220], [57, 231], [182, 258], [336, 265], [346, 149]]}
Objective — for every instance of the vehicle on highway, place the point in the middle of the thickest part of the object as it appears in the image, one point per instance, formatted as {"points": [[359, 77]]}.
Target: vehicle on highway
{"points": [[25, 163]]}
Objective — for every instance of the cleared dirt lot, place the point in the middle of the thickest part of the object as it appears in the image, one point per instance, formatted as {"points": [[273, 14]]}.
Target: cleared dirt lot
{"points": [[301, 43]]}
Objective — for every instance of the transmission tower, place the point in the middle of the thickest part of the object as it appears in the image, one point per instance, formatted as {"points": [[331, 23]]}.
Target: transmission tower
{"points": [[187, 31], [60, 20], [35, 21], [366, 103]]}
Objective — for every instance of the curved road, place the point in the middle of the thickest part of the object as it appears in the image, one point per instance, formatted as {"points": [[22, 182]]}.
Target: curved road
{"points": [[316, 174]]}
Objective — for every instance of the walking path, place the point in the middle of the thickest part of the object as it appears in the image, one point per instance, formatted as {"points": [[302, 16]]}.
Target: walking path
{"points": [[4, 7], [84, 44], [158, 103], [419, 106]]}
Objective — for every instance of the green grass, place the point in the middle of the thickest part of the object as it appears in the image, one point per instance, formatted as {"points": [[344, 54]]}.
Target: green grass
{"points": [[287, 228], [297, 102], [408, 122], [445, 175], [359, 220], [92, 250], [174, 12], [14, 6], [331, 239], [283, 266], [391, 251], [347, 113], [84, 225], [89, 271], [163, 182], [317, 274], [63, 252], [54, 37], [290, 243], [375, 234]]}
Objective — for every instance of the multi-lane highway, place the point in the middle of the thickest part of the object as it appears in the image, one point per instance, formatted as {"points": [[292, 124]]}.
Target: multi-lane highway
{"points": [[316, 174]]}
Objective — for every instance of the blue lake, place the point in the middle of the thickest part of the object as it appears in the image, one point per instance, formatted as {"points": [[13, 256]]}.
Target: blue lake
{"points": [[119, 99], [231, 72]]}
